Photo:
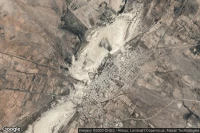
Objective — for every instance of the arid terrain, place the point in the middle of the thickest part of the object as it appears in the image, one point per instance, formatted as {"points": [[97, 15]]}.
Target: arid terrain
{"points": [[69, 64]]}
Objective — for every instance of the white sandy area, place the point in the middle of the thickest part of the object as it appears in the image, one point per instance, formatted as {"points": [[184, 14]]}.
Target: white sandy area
{"points": [[88, 61], [92, 55], [61, 114], [53, 119], [116, 4]]}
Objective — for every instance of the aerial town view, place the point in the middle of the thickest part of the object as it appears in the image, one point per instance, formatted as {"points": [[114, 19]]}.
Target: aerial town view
{"points": [[99, 66]]}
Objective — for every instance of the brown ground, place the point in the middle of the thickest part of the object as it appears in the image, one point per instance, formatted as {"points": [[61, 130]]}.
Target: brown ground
{"points": [[159, 87]]}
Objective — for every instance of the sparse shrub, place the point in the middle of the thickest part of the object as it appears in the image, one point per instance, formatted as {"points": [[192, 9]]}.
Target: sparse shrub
{"points": [[190, 7]]}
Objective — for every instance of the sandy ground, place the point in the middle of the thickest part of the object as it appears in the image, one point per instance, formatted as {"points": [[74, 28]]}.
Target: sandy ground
{"points": [[89, 61], [52, 120], [115, 4], [93, 54]]}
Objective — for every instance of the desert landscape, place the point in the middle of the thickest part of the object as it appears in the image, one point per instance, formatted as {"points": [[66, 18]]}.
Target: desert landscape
{"points": [[69, 64]]}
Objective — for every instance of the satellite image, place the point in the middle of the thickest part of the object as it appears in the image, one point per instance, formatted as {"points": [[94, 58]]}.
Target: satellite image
{"points": [[67, 65]]}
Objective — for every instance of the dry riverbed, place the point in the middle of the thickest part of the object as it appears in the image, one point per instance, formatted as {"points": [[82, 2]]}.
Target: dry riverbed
{"points": [[88, 61]]}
